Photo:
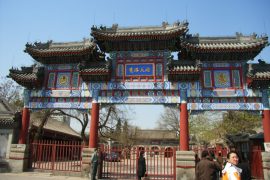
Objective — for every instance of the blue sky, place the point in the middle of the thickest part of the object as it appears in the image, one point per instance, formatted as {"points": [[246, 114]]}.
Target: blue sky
{"points": [[23, 21]]}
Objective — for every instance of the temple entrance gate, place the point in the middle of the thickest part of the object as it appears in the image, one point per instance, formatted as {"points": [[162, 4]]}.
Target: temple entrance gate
{"points": [[210, 74]]}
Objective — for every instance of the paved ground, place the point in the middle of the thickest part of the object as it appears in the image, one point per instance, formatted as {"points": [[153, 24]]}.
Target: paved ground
{"points": [[35, 176]]}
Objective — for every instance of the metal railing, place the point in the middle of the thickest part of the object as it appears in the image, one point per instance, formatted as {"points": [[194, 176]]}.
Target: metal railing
{"points": [[120, 163], [56, 155]]}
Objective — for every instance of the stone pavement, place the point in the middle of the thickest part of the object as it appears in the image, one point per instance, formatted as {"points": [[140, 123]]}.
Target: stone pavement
{"points": [[37, 176]]}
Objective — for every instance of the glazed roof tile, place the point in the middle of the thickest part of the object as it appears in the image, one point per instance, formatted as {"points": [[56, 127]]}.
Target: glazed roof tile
{"points": [[57, 48], [26, 74], [154, 32], [7, 120], [225, 44], [259, 71], [7, 123], [95, 70], [27, 77], [184, 66]]}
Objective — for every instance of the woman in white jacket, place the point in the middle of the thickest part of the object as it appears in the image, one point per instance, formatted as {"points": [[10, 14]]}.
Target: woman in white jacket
{"points": [[230, 171]]}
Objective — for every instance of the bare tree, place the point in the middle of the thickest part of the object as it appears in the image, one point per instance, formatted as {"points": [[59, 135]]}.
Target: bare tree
{"points": [[112, 122], [43, 115], [84, 121], [170, 119], [11, 92], [202, 127]]}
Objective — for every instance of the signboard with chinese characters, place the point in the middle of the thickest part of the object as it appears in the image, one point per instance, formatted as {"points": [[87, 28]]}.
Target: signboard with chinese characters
{"points": [[139, 69]]}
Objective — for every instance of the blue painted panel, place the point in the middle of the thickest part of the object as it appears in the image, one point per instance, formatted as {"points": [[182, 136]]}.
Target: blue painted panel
{"points": [[139, 70]]}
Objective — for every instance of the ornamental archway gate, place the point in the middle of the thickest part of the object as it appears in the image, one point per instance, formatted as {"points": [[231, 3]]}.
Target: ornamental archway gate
{"points": [[210, 74]]}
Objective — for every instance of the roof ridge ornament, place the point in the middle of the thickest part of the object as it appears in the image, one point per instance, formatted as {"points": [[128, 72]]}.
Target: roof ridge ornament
{"points": [[165, 24], [115, 26]]}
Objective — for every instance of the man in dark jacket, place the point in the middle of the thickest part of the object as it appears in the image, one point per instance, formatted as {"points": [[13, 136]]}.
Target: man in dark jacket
{"points": [[141, 166], [207, 169]]}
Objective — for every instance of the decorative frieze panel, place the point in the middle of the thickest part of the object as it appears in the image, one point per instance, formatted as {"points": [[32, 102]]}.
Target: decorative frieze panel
{"points": [[227, 93], [62, 67], [141, 100], [225, 106], [55, 93], [138, 54], [220, 65], [57, 105]]}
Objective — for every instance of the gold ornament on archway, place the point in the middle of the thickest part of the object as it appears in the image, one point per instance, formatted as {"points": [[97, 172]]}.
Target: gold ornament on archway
{"points": [[63, 80]]}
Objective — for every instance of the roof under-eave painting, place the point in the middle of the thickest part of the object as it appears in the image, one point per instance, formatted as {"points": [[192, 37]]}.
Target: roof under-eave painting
{"points": [[237, 47], [62, 52]]}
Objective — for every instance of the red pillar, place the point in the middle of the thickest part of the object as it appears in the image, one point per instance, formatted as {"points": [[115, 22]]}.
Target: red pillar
{"points": [[93, 135], [25, 125], [184, 134], [266, 125]]}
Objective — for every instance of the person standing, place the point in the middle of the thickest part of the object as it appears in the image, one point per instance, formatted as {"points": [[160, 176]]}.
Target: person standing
{"points": [[141, 166], [94, 164], [244, 165], [231, 171], [220, 161], [197, 159], [207, 169]]}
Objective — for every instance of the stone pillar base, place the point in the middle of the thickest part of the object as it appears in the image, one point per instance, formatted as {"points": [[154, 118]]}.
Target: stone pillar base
{"points": [[86, 158], [18, 157], [266, 164], [185, 165]]}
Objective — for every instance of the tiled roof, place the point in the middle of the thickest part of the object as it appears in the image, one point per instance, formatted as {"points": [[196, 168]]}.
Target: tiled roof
{"points": [[155, 134], [259, 71], [155, 32], [7, 120], [60, 49], [258, 75], [96, 68], [182, 66], [27, 76], [225, 44], [7, 123], [96, 71], [55, 125]]}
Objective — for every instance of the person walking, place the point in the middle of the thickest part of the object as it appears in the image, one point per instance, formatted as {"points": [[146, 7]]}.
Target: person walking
{"points": [[141, 166], [94, 164], [231, 171], [207, 169]]}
